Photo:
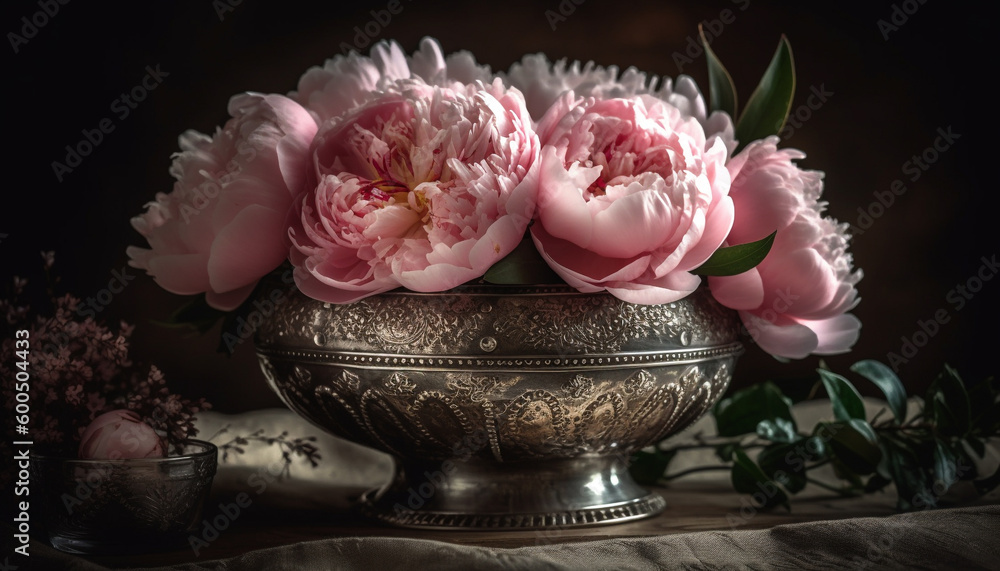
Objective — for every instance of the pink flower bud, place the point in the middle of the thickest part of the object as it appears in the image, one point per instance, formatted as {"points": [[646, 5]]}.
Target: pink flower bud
{"points": [[119, 434]]}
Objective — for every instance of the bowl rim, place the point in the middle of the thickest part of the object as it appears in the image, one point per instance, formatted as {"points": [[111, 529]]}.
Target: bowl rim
{"points": [[208, 450]]}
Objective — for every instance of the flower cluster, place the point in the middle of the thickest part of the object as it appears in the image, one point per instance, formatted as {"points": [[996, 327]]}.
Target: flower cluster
{"points": [[80, 369], [424, 171]]}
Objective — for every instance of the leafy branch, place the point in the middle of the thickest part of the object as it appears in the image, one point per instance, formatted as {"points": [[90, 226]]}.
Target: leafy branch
{"points": [[303, 446], [923, 454]]}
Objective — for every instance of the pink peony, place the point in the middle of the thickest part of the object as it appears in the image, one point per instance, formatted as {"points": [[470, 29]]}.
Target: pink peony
{"points": [[222, 227], [119, 434], [422, 186], [344, 82], [795, 302], [631, 196], [543, 82]]}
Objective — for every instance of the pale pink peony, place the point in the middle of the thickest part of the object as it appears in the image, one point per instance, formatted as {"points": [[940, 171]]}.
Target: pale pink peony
{"points": [[631, 197], [423, 187], [795, 302], [543, 82], [222, 227], [344, 82], [119, 434]]}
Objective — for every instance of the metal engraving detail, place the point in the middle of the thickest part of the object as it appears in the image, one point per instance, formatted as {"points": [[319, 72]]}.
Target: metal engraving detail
{"points": [[510, 388]]}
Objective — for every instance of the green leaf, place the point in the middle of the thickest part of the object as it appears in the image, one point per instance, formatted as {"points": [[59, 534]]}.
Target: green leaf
{"points": [[741, 413], [748, 478], [648, 467], [732, 260], [786, 463], [846, 400], [841, 471], [883, 469], [721, 91], [913, 486], [725, 451], [864, 429], [945, 465], [524, 265], [819, 447], [951, 407], [855, 450], [769, 104], [777, 430], [946, 421], [884, 378]]}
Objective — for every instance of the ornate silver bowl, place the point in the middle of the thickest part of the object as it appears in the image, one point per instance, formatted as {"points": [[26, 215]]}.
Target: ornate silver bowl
{"points": [[505, 407], [132, 505]]}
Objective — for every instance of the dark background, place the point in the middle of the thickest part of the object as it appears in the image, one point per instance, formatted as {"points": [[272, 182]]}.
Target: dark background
{"points": [[890, 95]]}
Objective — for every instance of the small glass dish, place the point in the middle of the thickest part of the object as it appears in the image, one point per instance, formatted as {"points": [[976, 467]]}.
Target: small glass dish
{"points": [[123, 506]]}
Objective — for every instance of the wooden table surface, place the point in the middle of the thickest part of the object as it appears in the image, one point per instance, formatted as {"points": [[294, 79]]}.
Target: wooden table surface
{"points": [[691, 507]]}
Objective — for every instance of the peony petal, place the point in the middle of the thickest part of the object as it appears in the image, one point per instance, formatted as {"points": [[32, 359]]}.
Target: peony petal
{"points": [[249, 247], [428, 61], [800, 282], [794, 341], [230, 300], [499, 240], [390, 60], [836, 335], [183, 274], [561, 208], [632, 224], [574, 263], [668, 289], [437, 277], [310, 286], [392, 221], [293, 149], [718, 222], [743, 291]]}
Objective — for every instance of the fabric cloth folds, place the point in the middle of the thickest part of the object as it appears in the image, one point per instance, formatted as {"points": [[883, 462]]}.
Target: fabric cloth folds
{"points": [[959, 538]]}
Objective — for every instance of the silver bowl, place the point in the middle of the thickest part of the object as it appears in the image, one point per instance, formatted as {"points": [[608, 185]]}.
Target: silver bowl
{"points": [[136, 505], [505, 407]]}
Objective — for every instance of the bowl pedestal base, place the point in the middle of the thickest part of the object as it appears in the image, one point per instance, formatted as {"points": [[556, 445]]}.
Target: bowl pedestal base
{"points": [[478, 494]]}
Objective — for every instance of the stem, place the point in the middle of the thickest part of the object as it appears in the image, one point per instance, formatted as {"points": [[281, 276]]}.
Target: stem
{"points": [[694, 470], [218, 433], [692, 446], [906, 427], [716, 445], [877, 414], [814, 390]]}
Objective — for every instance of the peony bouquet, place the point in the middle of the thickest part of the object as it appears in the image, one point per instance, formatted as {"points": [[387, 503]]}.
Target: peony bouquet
{"points": [[427, 172]]}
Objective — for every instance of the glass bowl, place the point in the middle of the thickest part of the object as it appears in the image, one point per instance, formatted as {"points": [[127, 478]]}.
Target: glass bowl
{"points": [[123, 506]]}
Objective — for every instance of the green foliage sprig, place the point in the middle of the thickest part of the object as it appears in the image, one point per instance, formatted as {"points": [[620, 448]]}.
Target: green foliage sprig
{"points": [[923, 454]]}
